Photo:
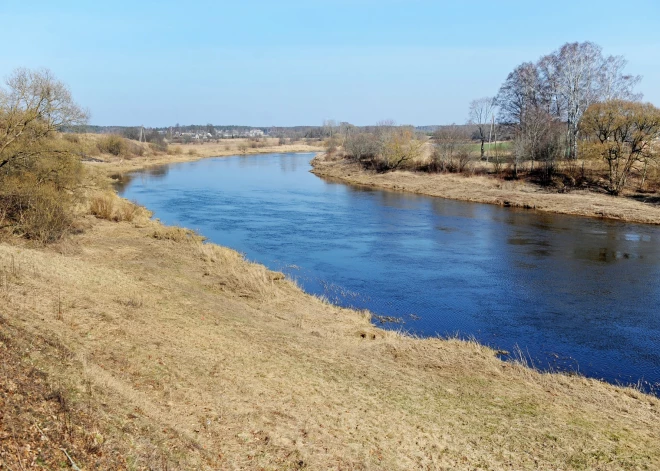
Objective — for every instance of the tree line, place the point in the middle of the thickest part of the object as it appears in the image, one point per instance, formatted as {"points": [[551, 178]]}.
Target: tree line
{"points": [[571, 106]]}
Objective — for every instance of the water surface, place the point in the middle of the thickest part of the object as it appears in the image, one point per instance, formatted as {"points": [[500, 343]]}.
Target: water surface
{"points": [[572, 293]]}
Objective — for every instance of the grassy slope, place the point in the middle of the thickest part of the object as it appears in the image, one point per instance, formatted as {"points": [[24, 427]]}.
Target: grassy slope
{"points": [[483, 189], [188, 357]]}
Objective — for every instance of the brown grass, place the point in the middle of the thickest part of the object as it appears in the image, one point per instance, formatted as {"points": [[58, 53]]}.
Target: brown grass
{"points": [[198, 359], [169, 353], [491, 190], [106, 162], [112, 208]]}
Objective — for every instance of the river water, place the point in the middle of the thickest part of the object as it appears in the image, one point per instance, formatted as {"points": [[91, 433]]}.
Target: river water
{"points": [[570, 293]]}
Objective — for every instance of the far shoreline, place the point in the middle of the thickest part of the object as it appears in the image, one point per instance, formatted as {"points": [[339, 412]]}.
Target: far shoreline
{"points": [[112, 165], [488, 190]]}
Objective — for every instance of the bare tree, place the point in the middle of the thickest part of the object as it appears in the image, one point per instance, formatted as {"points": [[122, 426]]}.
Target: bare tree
{"points": [[480, 114], [33, 107], [329, 127], [578, 75], [520, 92], [452, 148]]}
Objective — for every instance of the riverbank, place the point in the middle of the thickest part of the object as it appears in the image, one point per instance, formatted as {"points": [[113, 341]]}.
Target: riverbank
{"points": [[179, 153], [173, 354], [483, 189]]}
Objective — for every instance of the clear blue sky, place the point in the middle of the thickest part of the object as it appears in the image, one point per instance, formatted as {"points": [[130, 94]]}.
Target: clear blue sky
{"points": [[266, 63]]}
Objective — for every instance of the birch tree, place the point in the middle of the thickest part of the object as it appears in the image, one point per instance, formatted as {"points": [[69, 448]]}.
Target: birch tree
{"points": [[578, 75]]}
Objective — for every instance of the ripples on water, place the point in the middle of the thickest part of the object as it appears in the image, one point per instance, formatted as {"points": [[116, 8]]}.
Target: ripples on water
{"points": [[572, 293]]}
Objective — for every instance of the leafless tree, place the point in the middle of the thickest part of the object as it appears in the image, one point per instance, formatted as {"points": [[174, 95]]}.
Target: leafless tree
{"points": [[329, 127], [480, 114], [521, 92], [578, 75], [33, 107]]}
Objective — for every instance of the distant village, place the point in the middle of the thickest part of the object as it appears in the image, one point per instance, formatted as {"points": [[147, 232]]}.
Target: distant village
{"points": [[212, 134]]}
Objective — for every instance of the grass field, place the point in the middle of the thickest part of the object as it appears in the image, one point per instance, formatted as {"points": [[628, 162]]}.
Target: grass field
{"points": [[132, 345]]}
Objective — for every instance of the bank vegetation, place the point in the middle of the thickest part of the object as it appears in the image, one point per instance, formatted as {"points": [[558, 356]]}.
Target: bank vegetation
{"points": [[569, 123]]}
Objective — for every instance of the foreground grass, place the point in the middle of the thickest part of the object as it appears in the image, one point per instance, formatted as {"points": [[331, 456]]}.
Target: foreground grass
{"points": [[491, 190], [173, 354]]}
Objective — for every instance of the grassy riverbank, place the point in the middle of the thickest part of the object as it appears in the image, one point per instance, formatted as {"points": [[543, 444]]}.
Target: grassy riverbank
{"points": [[487, 189], [190, 152], [133, 345]]}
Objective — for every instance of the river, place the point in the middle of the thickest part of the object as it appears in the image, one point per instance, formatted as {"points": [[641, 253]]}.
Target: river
{"points": [[568, 293]]}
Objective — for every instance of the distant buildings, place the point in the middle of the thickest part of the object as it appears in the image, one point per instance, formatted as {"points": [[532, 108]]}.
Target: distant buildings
{"points": [[217, 134]]}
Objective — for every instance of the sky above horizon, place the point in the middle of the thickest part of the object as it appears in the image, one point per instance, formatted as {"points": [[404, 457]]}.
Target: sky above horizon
{"points": [[265, 63]]}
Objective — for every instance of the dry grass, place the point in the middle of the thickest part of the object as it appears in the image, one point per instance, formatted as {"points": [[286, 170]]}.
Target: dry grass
{"points": [[112, 208], [122, 163], [484, 189], [198, 359]]}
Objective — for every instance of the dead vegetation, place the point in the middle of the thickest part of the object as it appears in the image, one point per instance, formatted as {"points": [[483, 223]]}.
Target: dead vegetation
{"points": [[109, 206], [198, 359]]}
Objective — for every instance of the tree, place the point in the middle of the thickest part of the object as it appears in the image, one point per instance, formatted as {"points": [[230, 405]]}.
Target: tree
{"points": [[481, 111], [329, 126], [362, 146], [564, 84], [578, 75], [519, 93], [400, 146], [451, 149], [33, 107], [621, 132]]}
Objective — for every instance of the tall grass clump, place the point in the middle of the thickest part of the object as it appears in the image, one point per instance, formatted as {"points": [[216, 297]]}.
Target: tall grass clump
{"points": [[112, 208]]}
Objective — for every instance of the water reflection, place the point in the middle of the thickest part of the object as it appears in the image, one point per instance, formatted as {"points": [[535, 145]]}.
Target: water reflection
{"points": [[573, 293]]}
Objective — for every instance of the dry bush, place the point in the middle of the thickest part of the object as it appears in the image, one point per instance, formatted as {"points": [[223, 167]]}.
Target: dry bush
{"points": [[35, 211], [112, 144], [159, 146], [37, 199], [176, 150], [192, 151], [120, 147], [135, 149], [73, 138]]}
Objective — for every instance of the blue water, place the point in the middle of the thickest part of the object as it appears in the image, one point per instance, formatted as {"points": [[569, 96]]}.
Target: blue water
{"points": [[571, 293]]}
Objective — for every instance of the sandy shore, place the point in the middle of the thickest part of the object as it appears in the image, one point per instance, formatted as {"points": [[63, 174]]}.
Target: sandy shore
{"points": [[483, 189], [152, 350]]}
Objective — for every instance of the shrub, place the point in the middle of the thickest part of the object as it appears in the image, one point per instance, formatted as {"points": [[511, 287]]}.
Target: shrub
{"points": [[36, 211], [177, 150], [73, 138], [159, 146], [112, 144]]}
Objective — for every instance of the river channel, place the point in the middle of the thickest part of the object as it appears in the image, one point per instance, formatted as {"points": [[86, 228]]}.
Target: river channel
{"points": [[568, 293]]}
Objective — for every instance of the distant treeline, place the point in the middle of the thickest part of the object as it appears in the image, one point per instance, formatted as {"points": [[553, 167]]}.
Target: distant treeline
{"points": [[292, 132]]}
